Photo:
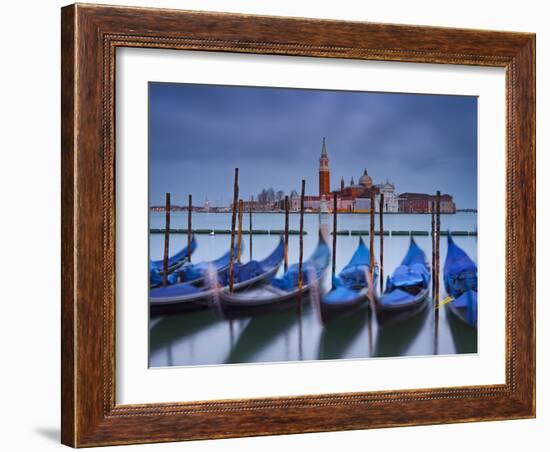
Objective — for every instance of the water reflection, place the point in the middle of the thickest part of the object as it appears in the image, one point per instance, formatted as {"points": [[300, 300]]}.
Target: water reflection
{"points": [[168, 328], [464, 336], [396, 339], [262, 333], [339, 335]]}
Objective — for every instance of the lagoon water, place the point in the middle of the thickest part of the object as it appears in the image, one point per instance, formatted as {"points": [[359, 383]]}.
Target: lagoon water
{"points": [[203, 338]]}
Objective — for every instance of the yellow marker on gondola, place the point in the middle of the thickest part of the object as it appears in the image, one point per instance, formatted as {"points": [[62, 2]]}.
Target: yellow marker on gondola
{"points": [[444, 302]]}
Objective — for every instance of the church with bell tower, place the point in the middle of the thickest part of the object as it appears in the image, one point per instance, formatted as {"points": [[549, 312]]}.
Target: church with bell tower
{"points": [[352, 198], [324, 172]]}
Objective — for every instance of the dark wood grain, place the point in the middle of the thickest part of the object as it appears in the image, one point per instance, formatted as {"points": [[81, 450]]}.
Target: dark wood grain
{"points": [[90, 36], [68, 311]]}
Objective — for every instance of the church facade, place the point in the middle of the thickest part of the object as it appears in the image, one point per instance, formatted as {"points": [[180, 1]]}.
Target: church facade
{"points": [[353, 197]]}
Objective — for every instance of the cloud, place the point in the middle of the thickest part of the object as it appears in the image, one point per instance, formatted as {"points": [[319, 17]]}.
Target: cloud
{"points": [[421, 142]]}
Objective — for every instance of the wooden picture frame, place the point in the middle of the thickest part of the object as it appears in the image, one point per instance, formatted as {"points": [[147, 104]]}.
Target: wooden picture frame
{"points": [[90, 36]]}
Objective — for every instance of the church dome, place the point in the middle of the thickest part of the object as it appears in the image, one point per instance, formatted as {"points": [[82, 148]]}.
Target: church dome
{"points": [[365, 180]]}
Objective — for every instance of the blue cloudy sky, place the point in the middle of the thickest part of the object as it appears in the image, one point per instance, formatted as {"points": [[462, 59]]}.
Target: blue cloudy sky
{"points": [[198, 134]]}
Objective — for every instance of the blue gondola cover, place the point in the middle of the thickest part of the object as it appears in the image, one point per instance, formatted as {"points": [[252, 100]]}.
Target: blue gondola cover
{"points": [[352, 278], [317, 262], [191, 272], [353, 275], [460, 279], [176, 258], [412, 272]]}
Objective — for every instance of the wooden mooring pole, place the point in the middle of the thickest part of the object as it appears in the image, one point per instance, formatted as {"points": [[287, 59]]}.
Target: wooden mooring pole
{"points": [[371, 236], [437, 244], [189, 226], [334, 230], [233, 220], [167, 209], [301, 255], [432, 204], [381, 219], [240, 233], [250, 226], [437, 269], [286, 233]]}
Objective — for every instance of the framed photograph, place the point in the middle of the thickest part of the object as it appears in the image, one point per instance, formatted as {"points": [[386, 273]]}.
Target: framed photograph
{"points": [[281, 225]]}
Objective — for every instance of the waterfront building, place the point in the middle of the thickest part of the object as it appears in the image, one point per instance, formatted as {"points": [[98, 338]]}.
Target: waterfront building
{"points": [[422, 203], [362, 205], [356, 191], [391, 200], [310, 203], [268, 206], [254, 205], [344, 204], [353, 193], [365, 180], [294, 201]]}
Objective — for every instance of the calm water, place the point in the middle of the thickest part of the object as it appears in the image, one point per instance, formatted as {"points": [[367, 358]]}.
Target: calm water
{"points": [[202, 337]]}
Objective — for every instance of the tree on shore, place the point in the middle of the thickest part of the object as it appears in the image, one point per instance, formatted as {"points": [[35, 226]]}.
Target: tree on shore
{"points": [[268, 197]]}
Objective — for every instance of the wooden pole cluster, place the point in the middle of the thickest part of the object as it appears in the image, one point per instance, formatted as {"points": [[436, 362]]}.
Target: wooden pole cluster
{"points": [[189, 227], [301, 256], [233, 220], [437, 246], [381, 218], [250, 227], [437, 269], [286, 232], [240, 231], [371, 235], [334, 230], [167, 209]]}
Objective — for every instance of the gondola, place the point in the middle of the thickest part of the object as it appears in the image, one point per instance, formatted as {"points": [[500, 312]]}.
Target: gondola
{"points": [[196, 273], [192, 273], [187, 296], [281, 292], [460, 279], [407, 289], [350, 287], [175, 261]]}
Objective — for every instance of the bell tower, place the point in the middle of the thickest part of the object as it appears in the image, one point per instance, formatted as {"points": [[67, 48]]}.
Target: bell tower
{"points": [[324, 172]]}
